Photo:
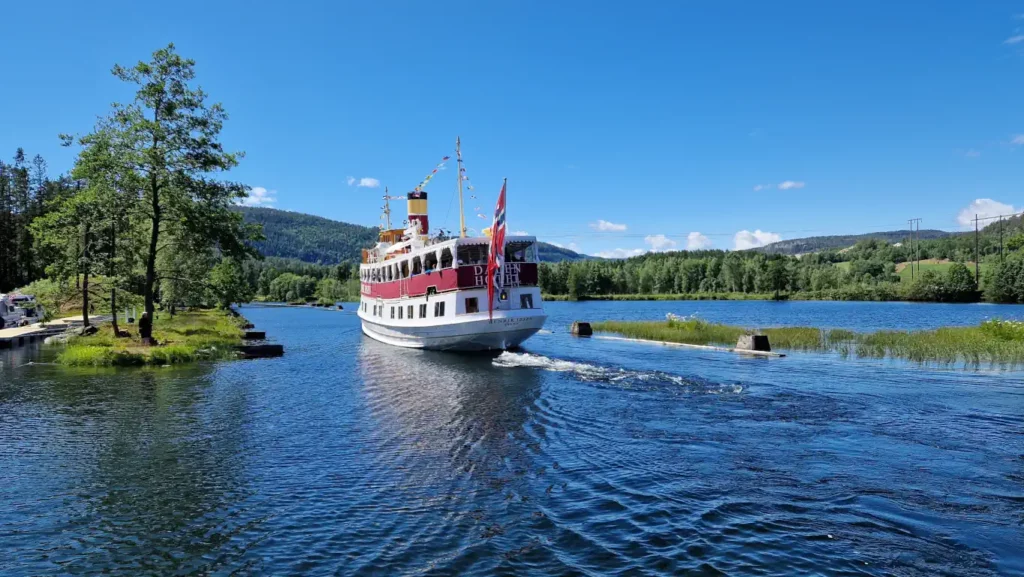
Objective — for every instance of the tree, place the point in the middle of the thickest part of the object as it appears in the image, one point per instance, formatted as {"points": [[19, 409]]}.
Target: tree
{"points": [[169, 135], [113, 190], [228, 282], [778, 276], [960, 285], [68, 232]]}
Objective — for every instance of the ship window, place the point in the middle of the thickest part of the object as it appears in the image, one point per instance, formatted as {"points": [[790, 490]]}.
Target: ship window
{"points": [[417, 266], [472, 305], [410, 312], [392, 312], [519, 252], [473, 254], [389, 273], [439, 309], [430, 262], [405, 269], [446, 258], [526, 301], [400, 311], [423, 311]]}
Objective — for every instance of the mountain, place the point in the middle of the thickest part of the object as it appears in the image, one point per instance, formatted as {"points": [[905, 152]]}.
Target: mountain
{"points": [[315, 239], [820, 243]]}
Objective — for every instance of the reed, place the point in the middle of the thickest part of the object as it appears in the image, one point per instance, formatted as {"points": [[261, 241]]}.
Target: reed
{"points": [[994, 343]]}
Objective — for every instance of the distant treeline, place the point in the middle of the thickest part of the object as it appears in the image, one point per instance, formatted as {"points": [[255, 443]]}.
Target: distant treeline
{"points": [[867, 271], [26, 192]]}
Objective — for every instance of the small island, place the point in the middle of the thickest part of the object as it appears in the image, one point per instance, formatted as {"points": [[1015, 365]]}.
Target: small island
{"points": [[183, 337]]}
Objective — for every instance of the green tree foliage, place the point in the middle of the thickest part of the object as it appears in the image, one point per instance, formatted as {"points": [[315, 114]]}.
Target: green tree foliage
{"points": [[863, 272], [25, 192], [228, 283], [169, 136], [1005, 280]]}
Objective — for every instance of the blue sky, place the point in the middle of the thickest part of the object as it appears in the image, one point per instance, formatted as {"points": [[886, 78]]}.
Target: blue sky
{"points": [[674, 124]]}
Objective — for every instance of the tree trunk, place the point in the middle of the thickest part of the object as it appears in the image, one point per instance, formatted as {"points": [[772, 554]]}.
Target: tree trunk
{"points": [[112, 279], [85, 275], [113, 310], [146, 332]]}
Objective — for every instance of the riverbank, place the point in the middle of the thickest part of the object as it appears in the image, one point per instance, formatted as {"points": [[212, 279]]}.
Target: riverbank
{"points": [[184, 337], [883, 292], [992, 342], [673, 297]]}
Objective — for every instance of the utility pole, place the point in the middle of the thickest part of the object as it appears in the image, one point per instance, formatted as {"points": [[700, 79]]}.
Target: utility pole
{"points": [[918, 246], [1000, 238], [977, 259], [915, 255], [910, 261]]}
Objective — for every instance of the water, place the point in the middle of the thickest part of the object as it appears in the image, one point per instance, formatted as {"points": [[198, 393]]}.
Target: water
{"points": [[574, 456]]}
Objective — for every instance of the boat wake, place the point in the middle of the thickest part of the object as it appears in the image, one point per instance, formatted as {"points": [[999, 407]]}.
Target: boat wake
{"points": [[614, 376]]}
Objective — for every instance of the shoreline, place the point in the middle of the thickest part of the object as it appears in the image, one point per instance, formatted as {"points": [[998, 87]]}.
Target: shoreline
{"points": [[993, 342], [763, 297]]}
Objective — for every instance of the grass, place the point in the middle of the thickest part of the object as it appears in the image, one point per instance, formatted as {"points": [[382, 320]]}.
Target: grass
{"points": [[939, 266], [186, 337], [993, 342]]}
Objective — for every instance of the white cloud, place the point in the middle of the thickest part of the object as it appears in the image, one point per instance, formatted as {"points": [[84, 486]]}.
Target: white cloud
{"points": [[659, 242], [605, 226], [1017, 139], [972, 153], [620, 253], [574, 247], [367, 182], [745, 239], [519, 233], [259, 196], [983, 208], [788, 184], [758, 187], [351, 180], [697, 241], [1014, 39]]}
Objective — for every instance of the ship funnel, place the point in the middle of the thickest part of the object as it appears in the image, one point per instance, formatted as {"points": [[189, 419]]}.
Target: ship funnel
{"points": [[418, 211]]}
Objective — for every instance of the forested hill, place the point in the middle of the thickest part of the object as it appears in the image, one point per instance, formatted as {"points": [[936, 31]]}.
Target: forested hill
{"points": [[820, 243], [315, 239], [309, 238]]}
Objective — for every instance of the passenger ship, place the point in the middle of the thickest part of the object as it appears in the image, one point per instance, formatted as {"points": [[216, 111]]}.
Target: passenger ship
{"points": [[429, 292]]}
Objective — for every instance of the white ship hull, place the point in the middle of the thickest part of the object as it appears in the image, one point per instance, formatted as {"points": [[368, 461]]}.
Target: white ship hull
{"points": [[471, 332]]}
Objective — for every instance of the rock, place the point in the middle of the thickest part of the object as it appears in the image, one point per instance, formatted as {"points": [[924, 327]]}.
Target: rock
{"points": [[753, 343], [260, 351], [56, 340], [581, 329], [248, 326], [85, 331], [255, 335]]}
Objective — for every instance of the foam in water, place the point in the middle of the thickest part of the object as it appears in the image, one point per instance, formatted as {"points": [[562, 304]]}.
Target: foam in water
{"points": [[610, 375]]}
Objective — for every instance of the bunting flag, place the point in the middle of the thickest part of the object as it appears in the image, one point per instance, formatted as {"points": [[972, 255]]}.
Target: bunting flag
{"points": [[496, 256], [426, 180], [462, 171]]}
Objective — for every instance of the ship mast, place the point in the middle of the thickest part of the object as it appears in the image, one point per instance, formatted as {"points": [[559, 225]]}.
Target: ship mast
{"points": [[387, 209], [462, 211]]}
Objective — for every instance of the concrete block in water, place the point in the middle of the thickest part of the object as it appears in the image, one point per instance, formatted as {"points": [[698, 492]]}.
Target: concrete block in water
{"points": [[753, 343], [260, 351], [581, 329], [255, 335]]}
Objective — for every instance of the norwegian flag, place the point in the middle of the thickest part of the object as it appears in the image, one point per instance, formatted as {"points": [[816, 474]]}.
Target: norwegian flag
{"points": [[496, 256]]}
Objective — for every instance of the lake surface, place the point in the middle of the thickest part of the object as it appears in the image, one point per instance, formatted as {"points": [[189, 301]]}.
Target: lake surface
{"points": [[573, 456]]}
